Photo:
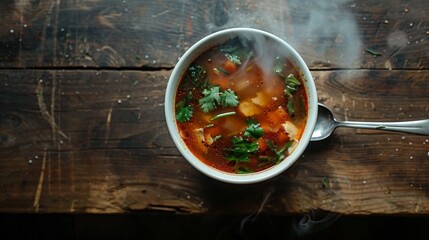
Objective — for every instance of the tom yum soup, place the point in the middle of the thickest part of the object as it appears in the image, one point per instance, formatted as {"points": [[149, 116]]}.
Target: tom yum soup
{"points": [[241, 108]]}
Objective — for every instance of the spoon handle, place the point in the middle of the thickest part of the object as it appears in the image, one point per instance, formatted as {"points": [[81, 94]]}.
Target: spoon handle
{"points": [[420, 127]]}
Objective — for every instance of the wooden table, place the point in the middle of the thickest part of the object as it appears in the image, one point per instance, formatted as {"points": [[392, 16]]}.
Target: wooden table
{"points": [[82, 125]]}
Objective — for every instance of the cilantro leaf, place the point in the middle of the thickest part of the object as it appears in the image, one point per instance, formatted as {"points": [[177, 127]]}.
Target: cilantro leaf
{"points": [[229, 98], [237, 50], [241, 149], [214, 97], [184, 111], [233, 58], [279, 154], [197, 74], [210, 100], [253, 130], [278, 66], [184, 114]]}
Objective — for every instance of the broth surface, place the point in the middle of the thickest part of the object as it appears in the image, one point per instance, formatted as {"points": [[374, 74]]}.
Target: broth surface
{"points": [[240, 113]]}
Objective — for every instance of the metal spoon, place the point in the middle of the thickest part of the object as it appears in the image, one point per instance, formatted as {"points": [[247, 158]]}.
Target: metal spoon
{"points": [[326, 124]]}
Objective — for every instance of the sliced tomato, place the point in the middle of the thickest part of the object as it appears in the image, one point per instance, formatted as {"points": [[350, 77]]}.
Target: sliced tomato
{"points": [[230, 66], [222, 82]]}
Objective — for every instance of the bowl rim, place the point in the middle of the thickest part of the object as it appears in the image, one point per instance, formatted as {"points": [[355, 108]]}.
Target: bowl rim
{"points": [[188, 57]]}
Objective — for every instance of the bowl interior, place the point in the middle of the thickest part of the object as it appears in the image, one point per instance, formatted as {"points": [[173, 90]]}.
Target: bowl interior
{"points": [[266, 41]]}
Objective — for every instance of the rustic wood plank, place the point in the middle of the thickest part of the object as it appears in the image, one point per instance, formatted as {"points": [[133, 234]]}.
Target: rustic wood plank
{"points": [[155, 34], [96, 141]]}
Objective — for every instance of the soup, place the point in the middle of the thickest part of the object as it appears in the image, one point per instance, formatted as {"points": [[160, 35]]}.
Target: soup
{"points": [[238, 110]]}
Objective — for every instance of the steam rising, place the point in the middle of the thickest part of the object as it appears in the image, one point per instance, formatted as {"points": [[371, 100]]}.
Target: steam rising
{"points": [[321, 30], [265, 51]]}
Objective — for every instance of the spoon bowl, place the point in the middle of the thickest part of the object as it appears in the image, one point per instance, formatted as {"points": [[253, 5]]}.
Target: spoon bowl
{"points": [[326, 124]]}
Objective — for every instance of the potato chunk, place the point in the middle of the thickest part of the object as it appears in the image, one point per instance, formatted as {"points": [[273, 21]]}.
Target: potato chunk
{"points": [[261, 99], [249, 109], [291, 130], [200, 139]]}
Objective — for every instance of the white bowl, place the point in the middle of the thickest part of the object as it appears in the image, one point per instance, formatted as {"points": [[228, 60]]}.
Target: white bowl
{"points": [[205, 44]]}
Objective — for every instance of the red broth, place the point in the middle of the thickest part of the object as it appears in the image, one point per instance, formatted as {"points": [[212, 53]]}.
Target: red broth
{"points": [[235, 115]]}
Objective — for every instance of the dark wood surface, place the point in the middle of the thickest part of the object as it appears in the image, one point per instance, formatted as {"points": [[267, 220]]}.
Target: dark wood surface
{"points": [[82, 120]]}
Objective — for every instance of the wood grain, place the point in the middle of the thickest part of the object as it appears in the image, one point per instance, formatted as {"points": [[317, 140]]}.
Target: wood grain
{"points": [[96, 142], [154, 34]]}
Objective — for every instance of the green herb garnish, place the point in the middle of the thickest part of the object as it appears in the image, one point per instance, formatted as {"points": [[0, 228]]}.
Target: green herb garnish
{"points": [[229, 98], [373, 52], [214, 97], [211, 99], [290, 105], [237, 51], [229, 47], [243, 170], [233, 58], [265, 160], [253, 130], [223, 115], [219, 70], [324, 182], [184, 111], [135, 83], [184, 114], [241, 149], [197, 74], [279, 154], [217, 137], [292, 85], [278, 66]]}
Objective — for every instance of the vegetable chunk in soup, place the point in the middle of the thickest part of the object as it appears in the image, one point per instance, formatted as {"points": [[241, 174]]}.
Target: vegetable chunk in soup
{"points": [[239, 112]]}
